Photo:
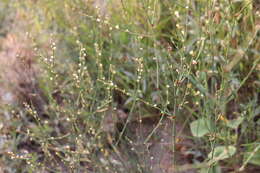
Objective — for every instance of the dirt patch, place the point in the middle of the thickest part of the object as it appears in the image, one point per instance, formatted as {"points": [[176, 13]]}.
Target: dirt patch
{"points": [[18, 73], [149, 143]]}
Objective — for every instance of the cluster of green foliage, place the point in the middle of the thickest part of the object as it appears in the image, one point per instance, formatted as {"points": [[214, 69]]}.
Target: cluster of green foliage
{"points": [[196, 62]]}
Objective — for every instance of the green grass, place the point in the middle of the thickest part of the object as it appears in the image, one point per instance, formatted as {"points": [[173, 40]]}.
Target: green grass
{"points": [[194, 62]]}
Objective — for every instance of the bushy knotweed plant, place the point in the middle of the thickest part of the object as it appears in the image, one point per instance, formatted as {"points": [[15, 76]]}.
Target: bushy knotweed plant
{"points": [[194, 63]]}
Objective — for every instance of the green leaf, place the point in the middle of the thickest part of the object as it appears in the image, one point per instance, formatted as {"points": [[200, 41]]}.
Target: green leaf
{"points": [[253, 155], [213, 169], [198, 84], [201, 127], [235, 123], [221, 153]]}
